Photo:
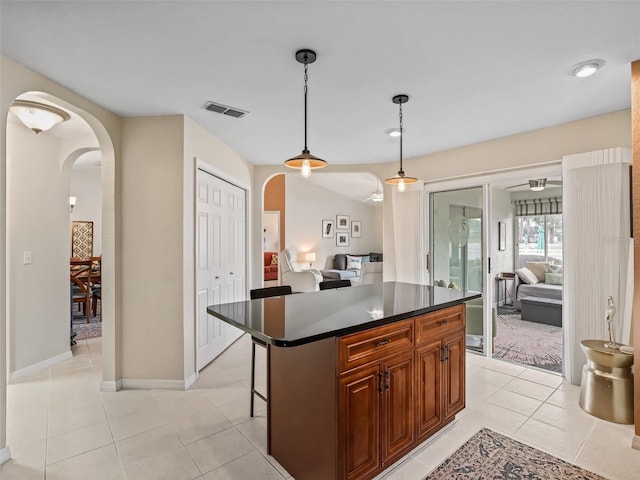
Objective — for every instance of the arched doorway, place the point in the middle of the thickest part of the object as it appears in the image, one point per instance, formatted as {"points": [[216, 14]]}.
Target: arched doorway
{"points": [[38, 244]]}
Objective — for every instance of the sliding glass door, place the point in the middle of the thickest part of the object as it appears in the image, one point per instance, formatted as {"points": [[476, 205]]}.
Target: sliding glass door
{"points": [[456, 251]]}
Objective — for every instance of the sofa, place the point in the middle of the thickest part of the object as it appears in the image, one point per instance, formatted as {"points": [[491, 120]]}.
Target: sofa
{"points": [[542, 280], [270, 266], [356, 268]]}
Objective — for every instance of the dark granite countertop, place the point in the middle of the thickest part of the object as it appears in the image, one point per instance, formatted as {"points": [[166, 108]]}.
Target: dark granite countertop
{"points": [[301, 318]]}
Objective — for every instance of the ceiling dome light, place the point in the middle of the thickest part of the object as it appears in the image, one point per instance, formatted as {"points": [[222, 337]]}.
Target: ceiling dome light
{"points": [[305, 162], [38, 116], [401, 180], [588, 68], [393, 132]]}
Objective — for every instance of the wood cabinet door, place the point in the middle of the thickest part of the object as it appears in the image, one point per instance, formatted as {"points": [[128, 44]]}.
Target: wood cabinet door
{"points": [[454, 370], [359, 423], [398, 425], [429, 387]]}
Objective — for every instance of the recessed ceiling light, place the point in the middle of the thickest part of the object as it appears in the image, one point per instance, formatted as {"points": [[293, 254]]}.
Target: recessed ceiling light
{"points": [[588, 68], [393, 132]]}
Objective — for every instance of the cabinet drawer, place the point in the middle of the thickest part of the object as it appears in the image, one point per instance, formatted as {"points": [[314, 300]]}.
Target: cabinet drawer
{"points": [[442, 322], [363, 347]]}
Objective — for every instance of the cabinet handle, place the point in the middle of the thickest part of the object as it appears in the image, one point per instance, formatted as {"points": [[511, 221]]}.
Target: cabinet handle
{"points": [[379, 383], [446, 352], [442, 357], [443, 322], [382, 342], [386, 379]]}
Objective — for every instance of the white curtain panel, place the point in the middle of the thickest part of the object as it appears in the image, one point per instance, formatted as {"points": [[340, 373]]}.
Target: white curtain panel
{"points": [[407, 234], [596, 239]]}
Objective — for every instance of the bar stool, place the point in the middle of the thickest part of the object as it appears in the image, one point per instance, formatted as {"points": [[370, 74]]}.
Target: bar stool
{"points": [[254, 294]]}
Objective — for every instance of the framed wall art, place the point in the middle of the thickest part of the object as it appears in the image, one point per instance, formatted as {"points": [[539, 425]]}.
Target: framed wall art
{"points": [[342, 239], [342, 222], [502, 236], [327, 228], [356, 229]]}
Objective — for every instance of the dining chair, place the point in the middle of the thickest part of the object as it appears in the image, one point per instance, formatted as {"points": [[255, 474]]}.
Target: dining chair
{"points": [[254, 294], [96, 284], [327, 284], [80, 280]]}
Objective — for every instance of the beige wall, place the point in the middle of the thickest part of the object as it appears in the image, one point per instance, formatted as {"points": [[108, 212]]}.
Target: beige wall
{"points": [[15, 80], [152, 156], [38, 222], [526, 149]]}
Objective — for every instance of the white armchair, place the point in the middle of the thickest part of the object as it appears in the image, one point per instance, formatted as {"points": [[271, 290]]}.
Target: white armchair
{"points": [[370, 272], [291, 273]]}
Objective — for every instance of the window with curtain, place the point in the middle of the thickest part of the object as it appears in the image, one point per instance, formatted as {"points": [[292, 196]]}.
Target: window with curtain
{"points": [[538, 231]]}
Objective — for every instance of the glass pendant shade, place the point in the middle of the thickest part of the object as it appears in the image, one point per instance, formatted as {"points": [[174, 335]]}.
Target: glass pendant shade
{"points": [[38, 116]]}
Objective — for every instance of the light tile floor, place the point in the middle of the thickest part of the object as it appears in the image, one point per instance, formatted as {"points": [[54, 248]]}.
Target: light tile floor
{"points": [[61, 427]]}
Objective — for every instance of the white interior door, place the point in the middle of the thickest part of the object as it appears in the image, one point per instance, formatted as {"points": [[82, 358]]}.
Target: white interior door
{"points": [[220, 261]]}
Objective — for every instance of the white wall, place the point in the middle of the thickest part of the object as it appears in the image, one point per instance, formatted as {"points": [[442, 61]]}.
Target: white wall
{"points": [[86, 185], [271, 231], [308, 204], [502, 261]]}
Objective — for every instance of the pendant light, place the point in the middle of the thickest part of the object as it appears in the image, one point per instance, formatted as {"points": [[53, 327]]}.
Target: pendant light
{"points": [[305, 161], [401, 180]]}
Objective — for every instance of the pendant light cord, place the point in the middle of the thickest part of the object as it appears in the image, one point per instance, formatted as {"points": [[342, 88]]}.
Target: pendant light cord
{"points": [[400, 104], [306, 79]]}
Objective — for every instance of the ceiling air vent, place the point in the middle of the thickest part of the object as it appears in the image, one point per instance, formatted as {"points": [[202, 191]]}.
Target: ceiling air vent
{"points": [[225, 110]]}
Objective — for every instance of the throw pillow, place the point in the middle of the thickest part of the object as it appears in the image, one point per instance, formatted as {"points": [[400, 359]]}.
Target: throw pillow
{"points": [[354, 262], [539, 269], [274, 259], [527, 276], [555, 269], [553, 278], [453, 285]]}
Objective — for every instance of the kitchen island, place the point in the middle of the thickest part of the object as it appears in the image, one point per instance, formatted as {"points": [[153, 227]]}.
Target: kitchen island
{"points": [[357, 377]]}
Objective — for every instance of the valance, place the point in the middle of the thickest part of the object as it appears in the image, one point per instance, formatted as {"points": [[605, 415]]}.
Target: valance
{"points": [[538, 206]]}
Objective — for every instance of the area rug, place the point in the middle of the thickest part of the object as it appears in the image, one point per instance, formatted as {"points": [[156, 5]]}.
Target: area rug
{"points": [[489, 455], [528, 343], [87, 330]]}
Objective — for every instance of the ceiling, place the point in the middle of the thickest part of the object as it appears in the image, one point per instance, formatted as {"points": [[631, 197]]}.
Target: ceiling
{"points": [[473, 70]]}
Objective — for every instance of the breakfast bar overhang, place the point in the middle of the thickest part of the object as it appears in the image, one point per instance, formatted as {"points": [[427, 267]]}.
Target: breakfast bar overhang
{"points": [[357, 377]]}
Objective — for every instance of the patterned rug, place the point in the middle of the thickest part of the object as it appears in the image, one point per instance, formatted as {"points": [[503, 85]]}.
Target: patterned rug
{"points": [[490, 455], [528, 343], [87, 330]]}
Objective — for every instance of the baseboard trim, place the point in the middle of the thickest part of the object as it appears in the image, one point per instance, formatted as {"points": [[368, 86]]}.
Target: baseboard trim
{"points": [[5, 455], [37, 367], [110, 386], [153, 384], [635, 443], [190, 380]]}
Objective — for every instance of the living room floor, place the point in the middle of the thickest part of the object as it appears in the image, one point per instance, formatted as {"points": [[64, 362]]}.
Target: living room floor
{"points": [[61, 427]]}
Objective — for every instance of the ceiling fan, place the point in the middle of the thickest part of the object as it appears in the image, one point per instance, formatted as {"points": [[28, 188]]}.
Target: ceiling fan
{"points": [[537, 184], [376, 196]]}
